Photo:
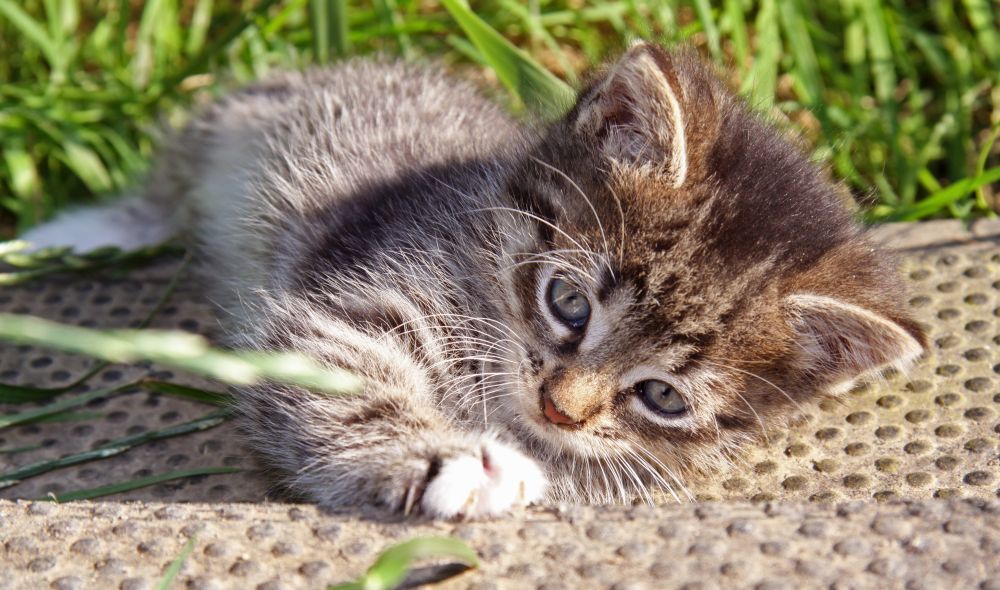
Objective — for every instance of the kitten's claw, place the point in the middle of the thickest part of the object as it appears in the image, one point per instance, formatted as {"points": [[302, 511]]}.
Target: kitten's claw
{"points": [[471, 486], [410, 499]]}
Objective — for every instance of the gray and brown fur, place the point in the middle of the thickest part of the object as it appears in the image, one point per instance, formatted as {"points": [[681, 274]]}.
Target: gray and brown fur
{"points": [[388, 220]]}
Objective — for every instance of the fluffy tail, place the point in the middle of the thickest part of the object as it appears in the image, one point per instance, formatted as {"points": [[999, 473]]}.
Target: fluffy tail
{"points": [[130, 222]]}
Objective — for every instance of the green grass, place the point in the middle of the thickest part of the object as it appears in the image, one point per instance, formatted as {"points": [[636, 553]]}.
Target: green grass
{"points": [[899, 98]]}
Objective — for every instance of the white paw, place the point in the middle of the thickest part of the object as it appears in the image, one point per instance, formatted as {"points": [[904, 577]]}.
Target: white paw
{"points": [[487, 485]]}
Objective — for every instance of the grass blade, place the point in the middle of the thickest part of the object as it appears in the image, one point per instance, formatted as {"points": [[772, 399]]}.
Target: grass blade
{"points": [[175, 566], [115, 447], [761, 81], [986, 26], [946, 196], [201, 19], [532, 84], [62, 405], [329, 29], [738, 31], [707, 20], [180, 350], [135, 484], [31, 30], [391, 567], [200, 395], [808, 81]]}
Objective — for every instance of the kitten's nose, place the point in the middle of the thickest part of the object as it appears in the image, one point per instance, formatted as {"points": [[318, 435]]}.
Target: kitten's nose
{"points": [[554, 415]]}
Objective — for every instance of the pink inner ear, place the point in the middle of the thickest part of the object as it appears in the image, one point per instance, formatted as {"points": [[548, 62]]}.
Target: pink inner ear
{"points": [[841, 342]]}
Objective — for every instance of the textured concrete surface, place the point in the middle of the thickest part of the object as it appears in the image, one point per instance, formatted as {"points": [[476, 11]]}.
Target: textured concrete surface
{"points": [[933, 545], [820, 489]]}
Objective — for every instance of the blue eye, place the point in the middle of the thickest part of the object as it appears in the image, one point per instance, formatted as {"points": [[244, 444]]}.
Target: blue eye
{"points": [[569, 304], [660, 397]]}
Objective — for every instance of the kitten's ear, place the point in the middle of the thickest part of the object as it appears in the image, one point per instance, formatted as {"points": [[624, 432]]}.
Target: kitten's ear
{"points": [[839, 342], [637, 110]]}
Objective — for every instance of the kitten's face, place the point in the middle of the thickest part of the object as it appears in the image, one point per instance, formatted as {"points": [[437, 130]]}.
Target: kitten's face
{"points": [[692, 281]]}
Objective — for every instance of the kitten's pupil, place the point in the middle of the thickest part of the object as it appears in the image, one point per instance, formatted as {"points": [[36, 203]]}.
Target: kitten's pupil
{"points": [[568, 304], [660, 397]]}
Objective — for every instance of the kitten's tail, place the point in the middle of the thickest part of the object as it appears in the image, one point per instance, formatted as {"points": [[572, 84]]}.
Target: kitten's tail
{"points": [[129, 222]]}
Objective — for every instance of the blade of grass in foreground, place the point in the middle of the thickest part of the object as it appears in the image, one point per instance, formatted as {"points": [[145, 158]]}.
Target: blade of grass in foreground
{"points": [[115, 447], [391, 567], [135, 484], [181, 350], [16, 394], [175, 566], [535, 86]]}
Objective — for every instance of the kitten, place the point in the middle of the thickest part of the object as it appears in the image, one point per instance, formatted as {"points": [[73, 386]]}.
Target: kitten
{"points": [[586, 311]]}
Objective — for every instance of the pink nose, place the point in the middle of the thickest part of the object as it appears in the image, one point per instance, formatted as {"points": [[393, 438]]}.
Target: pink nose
{"points": [[554, 415]]}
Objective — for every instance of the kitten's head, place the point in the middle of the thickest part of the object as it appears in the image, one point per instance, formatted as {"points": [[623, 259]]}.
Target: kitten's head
{"points": [[694, 278]]}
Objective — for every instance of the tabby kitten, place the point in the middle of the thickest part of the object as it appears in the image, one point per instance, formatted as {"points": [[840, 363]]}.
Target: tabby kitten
{"points": [[586, 311]]}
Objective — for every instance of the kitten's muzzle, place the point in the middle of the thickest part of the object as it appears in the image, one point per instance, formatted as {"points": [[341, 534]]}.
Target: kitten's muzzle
{"points": [[554, 415], [569, 399]]}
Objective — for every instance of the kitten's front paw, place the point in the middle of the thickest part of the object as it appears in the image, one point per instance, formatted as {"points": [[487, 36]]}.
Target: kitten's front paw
{"points": [[489, 483]]}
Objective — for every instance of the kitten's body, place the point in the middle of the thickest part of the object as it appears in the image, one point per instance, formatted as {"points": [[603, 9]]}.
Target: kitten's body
{"points": [[390, 221]]}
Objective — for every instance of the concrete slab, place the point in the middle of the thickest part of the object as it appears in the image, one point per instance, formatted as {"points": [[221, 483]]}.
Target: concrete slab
{"points": [[930, 438]]}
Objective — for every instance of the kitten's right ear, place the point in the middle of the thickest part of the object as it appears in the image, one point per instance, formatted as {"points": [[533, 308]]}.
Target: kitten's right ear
{"points": [[637, 110], [838, 342]]}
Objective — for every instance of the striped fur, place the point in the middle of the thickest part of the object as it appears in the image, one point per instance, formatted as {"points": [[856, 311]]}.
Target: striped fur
{"points": [[387, 219]]}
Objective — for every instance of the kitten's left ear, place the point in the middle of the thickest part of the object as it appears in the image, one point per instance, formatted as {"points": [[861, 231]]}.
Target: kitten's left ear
{"points": [[639, 110], [839, 343]]}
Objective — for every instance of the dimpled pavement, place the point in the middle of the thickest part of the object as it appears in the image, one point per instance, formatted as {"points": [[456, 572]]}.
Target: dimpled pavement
{"points": [[896, 485]]}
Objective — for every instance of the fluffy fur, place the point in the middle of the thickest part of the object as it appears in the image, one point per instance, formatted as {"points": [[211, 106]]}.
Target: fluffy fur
{"points": [[386, 219]]}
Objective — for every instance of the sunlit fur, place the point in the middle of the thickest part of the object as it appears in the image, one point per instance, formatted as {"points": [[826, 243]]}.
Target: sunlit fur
{"points": [[386, 219]]}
